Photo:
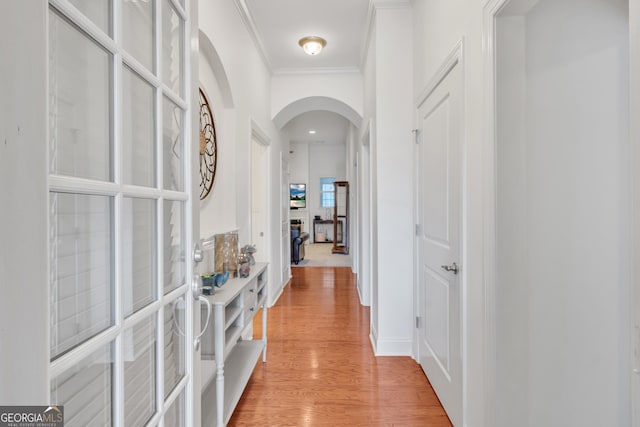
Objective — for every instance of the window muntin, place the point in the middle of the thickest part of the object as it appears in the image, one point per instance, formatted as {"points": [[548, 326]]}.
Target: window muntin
{"points": [[327, 195]]}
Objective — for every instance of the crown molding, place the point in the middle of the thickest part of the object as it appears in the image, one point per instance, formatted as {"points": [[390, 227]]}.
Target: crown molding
{"points": [[315, 70], [391, 4], [371, 14], [368, 28], [250, 25]]}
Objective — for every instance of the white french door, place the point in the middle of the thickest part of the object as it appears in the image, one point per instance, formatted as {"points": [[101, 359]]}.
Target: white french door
{"points": [[439, 169], [121, 222]]}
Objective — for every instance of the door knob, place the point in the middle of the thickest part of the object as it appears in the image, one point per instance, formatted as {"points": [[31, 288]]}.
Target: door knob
{"points": [[198, 256], [453, 267]]}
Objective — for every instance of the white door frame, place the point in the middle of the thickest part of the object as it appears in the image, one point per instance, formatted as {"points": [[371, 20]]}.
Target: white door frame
{"points": [[634, 138], [285, 244], [364, 217], [192, 48], [491, 10], [258, 135]]}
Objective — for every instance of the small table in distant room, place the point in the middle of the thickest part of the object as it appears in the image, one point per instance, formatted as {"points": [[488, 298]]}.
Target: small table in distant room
{"points": [[326, 222]]}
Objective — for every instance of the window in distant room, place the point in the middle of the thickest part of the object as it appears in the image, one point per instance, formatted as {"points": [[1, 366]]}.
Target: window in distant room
{"points": [[327, 197]]}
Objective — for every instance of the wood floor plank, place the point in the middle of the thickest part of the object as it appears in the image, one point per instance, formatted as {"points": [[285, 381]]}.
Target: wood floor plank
{"points": [[321, 370]]}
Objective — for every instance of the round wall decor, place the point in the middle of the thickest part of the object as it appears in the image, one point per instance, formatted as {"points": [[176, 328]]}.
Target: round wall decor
{"points": [[208, 147]]}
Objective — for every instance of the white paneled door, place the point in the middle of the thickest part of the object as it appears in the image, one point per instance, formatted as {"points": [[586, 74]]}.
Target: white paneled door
{"points": [[121, 213], [439, 262]]}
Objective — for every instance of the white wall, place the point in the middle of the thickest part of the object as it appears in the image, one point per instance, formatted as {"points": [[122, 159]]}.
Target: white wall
{"points": [[250, 87], [325, 160], [24, 266], [438, 26], [571, 274], [343, 86], [363, 216], [512, 299], [388, 74], [218, 210], [299, 174], [368, 187], [307, 164]]}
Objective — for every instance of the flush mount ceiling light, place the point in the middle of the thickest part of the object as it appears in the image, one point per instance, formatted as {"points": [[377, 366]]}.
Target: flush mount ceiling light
{"points": [[312, 45]]}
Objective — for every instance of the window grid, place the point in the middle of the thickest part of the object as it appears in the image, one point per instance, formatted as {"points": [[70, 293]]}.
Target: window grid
{"points": [[327, 195], [116, 190]]}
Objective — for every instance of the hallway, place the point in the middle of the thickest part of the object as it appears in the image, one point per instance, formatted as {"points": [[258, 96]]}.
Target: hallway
{"points": [[320, 367]]}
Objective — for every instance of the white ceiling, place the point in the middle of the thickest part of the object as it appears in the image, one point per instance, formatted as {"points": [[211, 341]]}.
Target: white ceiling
{"points": [[330, 128], [277, 25]]}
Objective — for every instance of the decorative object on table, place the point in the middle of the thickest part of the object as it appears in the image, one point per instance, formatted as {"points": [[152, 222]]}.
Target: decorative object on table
{"points": [[226, 253], [249, 250], [208, 147], [210, 281], [221, 278], [244, 266]]}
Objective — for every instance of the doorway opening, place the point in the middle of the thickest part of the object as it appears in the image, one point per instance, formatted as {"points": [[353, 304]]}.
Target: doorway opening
{"points": [[561, 255], [260, 195]]}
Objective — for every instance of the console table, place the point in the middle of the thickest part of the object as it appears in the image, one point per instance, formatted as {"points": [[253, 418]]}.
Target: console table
{"points": [[327, 222], [226, 356]]}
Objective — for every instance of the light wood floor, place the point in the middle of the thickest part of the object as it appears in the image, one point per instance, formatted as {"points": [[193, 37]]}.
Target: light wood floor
{"points": [[321, 370]]}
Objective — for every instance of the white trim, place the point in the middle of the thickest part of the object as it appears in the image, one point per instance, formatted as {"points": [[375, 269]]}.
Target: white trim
{"points": [[491, 9], [67, 10], [454, 57], [315, 70], [118, 385], [175, 98], [369, 25], [249, 22], [367, 36], [130, 62], [260, 135], [180, 10], [393, 347], [634, 137], [179, 388], [60, 183], [391, 4], [77, 354]]}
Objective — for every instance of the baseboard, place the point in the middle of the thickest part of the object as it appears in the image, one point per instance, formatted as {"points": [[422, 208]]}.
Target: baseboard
{"points": [[392, 347], [275, 299], [373, 337]]}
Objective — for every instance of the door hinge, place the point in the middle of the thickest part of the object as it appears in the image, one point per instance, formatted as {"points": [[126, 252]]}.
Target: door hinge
{"points": [[637, 342], [415, 135], [417, 229], [418, 322], [636, 351]]}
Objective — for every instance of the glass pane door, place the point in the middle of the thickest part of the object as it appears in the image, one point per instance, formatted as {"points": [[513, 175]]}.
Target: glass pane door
{"points": [[120, 212]]}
